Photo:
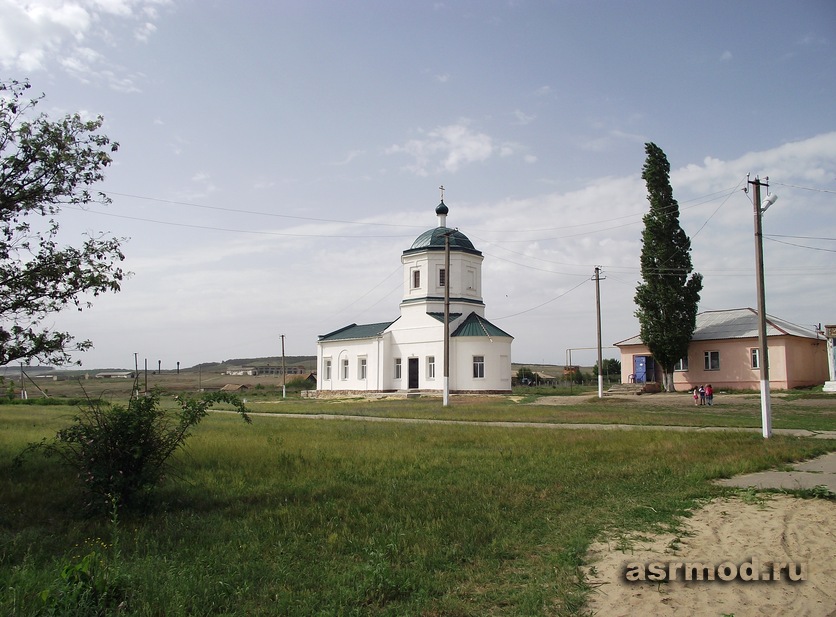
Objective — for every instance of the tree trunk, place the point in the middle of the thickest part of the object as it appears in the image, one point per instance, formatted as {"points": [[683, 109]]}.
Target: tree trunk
{"points": [[667, 381]]}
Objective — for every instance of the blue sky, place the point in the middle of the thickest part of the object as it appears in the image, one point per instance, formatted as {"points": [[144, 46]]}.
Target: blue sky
{"points": [[277, 157]]}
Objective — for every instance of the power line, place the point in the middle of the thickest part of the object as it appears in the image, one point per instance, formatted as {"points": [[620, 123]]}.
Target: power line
{"points": [[804, 188], [534, 308], [810, 248], [226, 229], [258, 213], [798, 237]]}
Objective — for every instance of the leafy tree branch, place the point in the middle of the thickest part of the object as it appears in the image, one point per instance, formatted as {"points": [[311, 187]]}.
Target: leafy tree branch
{"points": [[45, 165]]}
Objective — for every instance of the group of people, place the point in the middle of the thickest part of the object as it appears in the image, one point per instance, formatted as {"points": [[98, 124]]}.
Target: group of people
{"points": [[703, 395]]}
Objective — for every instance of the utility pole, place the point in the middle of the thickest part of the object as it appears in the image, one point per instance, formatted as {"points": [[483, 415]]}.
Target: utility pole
{"points": [[284, 374], [136, 374], [23, 394], [763, 358], [598, 311], [446, 395]]}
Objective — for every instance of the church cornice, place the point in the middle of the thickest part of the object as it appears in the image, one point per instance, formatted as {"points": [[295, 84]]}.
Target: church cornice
{"points": [[425, 299]]}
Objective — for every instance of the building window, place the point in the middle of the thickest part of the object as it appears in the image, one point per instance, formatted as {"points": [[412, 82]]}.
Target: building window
{"points": [[712, 360], [344, 373], [416, 279], [361, 368], [430, 367], [442, 277], [478, 367], [756, 357], [326, 369], [681, 364], [397, 368]]}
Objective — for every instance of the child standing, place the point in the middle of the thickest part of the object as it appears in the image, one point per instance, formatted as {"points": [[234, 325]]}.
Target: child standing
{"points": [[709, 394], [697, 395], [702, 395]]}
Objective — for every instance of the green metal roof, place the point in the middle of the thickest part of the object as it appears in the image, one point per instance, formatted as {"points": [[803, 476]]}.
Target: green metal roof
{"points": [[354, 331], [478, 326], [433, 239], [440, 316]]}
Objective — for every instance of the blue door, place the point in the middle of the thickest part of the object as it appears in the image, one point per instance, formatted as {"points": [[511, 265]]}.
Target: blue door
{"points": [[640, 368]]}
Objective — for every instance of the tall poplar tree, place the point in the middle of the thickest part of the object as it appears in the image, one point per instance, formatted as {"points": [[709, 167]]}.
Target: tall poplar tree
{"points": [[669, 294]]}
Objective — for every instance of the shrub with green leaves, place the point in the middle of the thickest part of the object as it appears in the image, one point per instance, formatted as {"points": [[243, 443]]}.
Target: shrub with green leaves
{"points": [[121, 453], [88, 587]]}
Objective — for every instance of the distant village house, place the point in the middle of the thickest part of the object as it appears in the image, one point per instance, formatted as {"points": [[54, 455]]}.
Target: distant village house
{"points": [[724, 352]]}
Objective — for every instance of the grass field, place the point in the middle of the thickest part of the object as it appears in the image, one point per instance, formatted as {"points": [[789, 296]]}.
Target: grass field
{"points": [[304, 517]]}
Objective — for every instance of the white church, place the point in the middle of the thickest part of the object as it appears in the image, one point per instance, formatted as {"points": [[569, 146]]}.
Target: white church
{"points": [[407, 354]]}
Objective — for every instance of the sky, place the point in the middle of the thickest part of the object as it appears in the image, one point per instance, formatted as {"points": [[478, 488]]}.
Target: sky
{"points": [[276, 159]]}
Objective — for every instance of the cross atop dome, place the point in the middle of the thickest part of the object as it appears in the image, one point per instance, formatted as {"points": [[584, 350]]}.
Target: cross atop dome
{"points": [[441, 210]]}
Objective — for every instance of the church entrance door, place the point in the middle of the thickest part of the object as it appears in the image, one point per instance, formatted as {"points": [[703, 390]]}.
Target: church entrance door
{"points": [[413, 373]]}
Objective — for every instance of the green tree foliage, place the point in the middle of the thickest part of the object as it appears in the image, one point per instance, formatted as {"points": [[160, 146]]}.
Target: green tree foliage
{"points": [[669, 294], [121, 453], [45, 165], [525, 373], [612, 368]]}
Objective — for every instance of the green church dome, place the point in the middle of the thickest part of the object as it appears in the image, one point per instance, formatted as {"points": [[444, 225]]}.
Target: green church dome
{"points": [[433, 239]]}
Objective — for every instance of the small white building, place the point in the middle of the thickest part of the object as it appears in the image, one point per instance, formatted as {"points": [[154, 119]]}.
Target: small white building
{"points": [[408, 352]]}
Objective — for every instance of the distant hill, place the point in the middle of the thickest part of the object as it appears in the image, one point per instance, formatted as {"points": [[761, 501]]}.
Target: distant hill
{"points": [[309, 362], [272, 361]]}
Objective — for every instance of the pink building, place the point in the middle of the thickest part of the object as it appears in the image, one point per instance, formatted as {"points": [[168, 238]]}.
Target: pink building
{"points": [[724, 352]]}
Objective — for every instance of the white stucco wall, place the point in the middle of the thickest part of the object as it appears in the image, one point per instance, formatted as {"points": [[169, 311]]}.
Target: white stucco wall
{"points": [[497, 354], [352, 351], [419, 337]]}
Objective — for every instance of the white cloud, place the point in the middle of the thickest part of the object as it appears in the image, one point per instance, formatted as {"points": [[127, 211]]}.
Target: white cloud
{"points": [[726, 56], [353, 154], [523, 118], [144, 31], [446, 148], [610, 139], [39, 35]]}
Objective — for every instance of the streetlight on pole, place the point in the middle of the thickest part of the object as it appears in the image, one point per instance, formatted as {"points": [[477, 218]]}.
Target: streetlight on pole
{"points": [[763, 357]]}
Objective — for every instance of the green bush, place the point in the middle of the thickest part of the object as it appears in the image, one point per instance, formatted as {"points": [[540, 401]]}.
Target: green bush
{"points": [[88, 587], [121, 453], [298, 384]]}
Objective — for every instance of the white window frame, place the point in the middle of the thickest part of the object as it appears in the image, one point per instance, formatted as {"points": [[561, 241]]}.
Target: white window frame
{"points": [[681, 364], [442, 277], [416, 279], [709, 358], [398, 368], [344, 369], [326, 369], [362, 368], [430, 367], [478, 367], [755, 357]]}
